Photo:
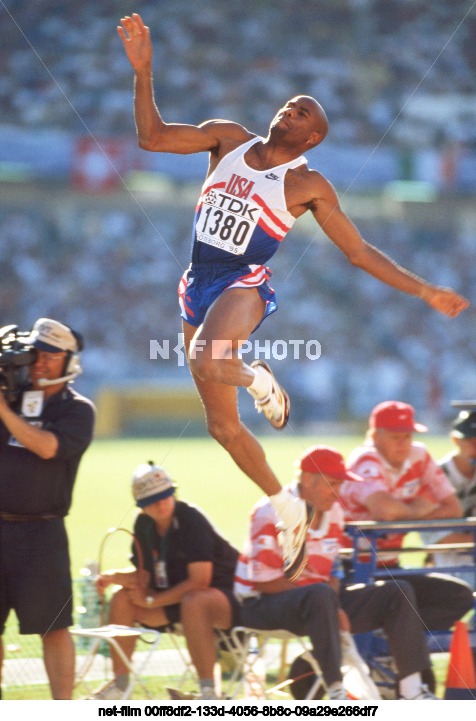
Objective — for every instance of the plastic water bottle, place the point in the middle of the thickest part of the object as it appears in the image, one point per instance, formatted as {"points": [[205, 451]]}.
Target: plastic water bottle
{"points": [[255, 678], [89, 612]]}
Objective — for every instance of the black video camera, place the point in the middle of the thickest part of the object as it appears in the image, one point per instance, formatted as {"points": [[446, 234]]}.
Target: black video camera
{"points": [[15, 357]]}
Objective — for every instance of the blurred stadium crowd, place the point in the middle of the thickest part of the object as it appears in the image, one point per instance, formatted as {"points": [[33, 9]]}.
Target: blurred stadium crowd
{"points": [[113, 272], [109, 265], [361, 58]]}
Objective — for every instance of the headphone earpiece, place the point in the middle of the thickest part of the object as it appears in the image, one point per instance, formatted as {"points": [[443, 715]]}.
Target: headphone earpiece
{"points": [[72, 366], [79, 339]]}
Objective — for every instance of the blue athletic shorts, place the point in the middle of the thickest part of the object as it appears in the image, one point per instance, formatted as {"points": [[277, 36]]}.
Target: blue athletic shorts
{"points": [[201, 285]]}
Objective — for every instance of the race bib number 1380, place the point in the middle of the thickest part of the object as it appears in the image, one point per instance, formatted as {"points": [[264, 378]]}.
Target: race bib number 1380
{"points": [[227, 222]]}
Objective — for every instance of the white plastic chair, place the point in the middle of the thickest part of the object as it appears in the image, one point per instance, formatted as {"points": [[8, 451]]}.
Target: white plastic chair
{"points": [[110, 634]]}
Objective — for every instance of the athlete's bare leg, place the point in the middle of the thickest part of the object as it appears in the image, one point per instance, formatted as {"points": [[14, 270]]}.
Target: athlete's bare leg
{"points": [[228, 323], [212, 351], [230, 319]]}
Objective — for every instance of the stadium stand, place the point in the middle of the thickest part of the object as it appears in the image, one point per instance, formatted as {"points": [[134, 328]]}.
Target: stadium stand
{"points": [[220, 63]]}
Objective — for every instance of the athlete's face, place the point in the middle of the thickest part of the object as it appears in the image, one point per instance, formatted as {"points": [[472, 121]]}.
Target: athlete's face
{"points": [[394, 446], [301, 119]]}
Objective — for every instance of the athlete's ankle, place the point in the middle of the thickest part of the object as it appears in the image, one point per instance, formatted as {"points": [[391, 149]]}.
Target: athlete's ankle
{"points": [[261, 385], [287, 506]]}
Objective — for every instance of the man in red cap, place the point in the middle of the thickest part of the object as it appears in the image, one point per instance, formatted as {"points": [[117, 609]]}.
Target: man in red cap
{"points": [[314, 605], [403, 482]]}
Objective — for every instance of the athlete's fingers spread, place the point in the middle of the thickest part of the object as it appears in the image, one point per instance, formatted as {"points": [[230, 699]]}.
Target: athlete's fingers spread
{"points": [[134, 27], [139, 21], [122, 26], [129, 24]]}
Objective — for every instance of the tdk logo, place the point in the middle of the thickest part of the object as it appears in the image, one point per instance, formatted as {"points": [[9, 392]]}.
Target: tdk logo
{"points": [[271, 176]]}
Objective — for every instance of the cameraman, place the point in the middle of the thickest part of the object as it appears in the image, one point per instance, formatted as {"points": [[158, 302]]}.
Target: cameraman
{"points": [[42, 438]]}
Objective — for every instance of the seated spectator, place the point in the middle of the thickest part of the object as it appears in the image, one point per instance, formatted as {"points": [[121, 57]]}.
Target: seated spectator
{"points": [[185, 574], [403, 482], [315, 604], [460, 468], [460, 464]]}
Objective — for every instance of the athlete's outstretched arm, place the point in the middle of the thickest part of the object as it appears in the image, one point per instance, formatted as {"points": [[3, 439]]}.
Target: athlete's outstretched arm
{"points": [[153, 133], [337, 226]]}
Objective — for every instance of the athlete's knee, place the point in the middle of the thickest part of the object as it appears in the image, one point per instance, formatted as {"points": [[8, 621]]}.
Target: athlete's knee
{"points": [[225, 431], [203, 365]]}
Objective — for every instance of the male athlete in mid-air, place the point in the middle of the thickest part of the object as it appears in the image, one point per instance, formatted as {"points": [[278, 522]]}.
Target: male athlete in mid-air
{"points": [[255, 189]]}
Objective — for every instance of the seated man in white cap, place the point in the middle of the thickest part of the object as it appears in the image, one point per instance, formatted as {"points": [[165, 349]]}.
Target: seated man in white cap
{"points": [[44, 430], [183, 573], [314, 604]]}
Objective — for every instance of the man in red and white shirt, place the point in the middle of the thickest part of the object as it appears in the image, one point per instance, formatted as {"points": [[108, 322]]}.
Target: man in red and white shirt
{"points": [[314, 605], [403, 482]]}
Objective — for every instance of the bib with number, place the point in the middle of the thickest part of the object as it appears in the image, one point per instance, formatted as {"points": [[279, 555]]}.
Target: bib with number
{"points": [[227, 222], [242, 211]]}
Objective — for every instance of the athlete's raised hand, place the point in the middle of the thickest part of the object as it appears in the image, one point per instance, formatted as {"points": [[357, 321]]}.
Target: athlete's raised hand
{"points": [[445, 301], [135, 37]]}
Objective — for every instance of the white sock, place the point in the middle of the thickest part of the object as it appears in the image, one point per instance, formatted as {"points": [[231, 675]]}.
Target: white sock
{"points": [[206, 684], [261, 385], [410, 686], [288, 507]]}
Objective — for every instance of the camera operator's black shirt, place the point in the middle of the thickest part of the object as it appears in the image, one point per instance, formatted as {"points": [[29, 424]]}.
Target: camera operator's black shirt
{"points": [[30, 485]]}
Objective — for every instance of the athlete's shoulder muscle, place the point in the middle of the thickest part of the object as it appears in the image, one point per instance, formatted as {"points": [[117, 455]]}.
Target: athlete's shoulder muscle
{"points": [[226, 129], [306, 189], [320, 187], [227, 136]]}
